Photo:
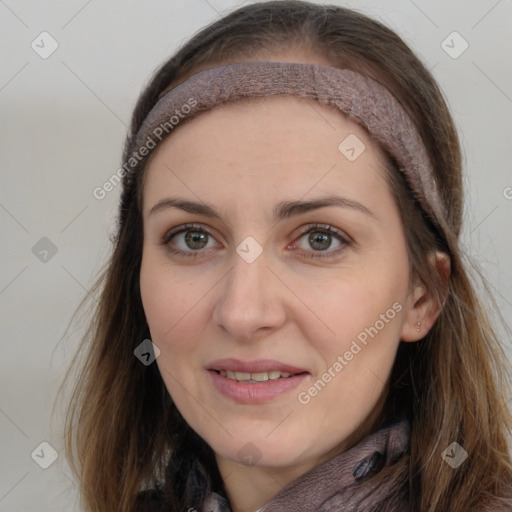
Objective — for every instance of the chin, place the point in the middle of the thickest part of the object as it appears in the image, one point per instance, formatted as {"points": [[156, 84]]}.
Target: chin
{"points": [[253, 449]]}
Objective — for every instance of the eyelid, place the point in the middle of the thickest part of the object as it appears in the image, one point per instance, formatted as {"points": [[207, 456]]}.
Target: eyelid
{"points": [[325, 227], [184, 227]]}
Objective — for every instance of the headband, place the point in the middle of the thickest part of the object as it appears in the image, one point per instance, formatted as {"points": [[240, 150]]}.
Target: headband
{"points": [[359, 97]]}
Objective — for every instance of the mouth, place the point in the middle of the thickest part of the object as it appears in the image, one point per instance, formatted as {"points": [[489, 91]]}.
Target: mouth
{"points": [[253, 378], [257, 370], [256, 381]]}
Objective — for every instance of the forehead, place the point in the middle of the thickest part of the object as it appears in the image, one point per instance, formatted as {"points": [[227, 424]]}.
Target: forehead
{"points": [[264, 143]]}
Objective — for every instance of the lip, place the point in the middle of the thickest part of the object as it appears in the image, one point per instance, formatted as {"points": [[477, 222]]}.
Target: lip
{"points": [[258, 392], [254, 366]]}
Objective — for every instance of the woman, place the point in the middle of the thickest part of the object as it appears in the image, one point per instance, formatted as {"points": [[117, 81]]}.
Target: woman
{"points": [[286, 321]]}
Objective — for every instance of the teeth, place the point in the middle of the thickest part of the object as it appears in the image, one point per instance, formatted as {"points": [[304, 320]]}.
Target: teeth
{"points": [[255, 377], [260, 377]]}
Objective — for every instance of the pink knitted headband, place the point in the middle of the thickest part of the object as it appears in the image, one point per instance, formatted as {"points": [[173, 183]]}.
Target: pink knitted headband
{"points": [[362, 99]]}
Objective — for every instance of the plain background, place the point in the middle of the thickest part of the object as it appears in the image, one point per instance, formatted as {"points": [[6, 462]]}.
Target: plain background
{"points": [[64, 120]]}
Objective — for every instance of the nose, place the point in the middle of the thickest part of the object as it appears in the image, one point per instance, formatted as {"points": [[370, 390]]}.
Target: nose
{"points": [[251, 300]]}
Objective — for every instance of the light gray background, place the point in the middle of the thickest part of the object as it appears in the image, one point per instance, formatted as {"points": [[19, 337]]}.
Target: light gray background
{"points": [[64, 120]]}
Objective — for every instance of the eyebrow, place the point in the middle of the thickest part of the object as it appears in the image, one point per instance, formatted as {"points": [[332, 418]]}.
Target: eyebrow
{"points": [[282, 210]]}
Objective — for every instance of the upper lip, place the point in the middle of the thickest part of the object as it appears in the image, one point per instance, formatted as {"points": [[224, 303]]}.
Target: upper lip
{"points": [[254, 366]]}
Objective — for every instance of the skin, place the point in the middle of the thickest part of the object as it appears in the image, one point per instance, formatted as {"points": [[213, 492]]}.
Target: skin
{"points": [[243, 159]]}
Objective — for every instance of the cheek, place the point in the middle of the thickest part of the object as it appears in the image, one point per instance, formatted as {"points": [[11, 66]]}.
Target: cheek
{"points": [[366, 315], [350, 305], [167, 301]]}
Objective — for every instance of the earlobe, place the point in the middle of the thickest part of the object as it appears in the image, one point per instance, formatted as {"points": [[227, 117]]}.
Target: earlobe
{"points": [[421, 315], [425, 306]]}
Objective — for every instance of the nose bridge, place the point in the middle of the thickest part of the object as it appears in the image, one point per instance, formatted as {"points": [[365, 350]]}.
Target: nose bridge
{"points": [[249, 300]]}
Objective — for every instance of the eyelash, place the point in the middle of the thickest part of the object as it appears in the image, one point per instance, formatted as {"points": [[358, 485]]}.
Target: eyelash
{"points": [[321, 228]]}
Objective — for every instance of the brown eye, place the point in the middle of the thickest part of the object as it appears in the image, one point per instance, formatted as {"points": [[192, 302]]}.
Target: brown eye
{"points": [[188, 240], [196, 239], [322, 241], [319, 241]]}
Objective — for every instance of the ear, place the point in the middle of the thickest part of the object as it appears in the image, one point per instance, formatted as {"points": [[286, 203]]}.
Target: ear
{"points": [[423, 307]]}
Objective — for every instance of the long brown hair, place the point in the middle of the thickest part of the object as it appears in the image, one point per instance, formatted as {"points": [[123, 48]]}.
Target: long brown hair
{"points": [[124, 434]]}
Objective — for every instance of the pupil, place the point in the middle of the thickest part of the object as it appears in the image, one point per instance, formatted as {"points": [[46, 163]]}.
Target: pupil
{"points": [[320, 240], [195, 239]]}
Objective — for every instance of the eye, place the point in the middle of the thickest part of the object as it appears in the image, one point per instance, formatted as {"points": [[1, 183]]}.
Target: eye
{"points": [[319, 241], [320, 238], [188, 240]]}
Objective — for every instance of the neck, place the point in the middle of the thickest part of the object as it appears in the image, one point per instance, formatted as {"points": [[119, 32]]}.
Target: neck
{"points": [[249, 488]]}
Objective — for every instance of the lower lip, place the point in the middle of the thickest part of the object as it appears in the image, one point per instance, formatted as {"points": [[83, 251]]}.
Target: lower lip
{"points": [[256, 392]]}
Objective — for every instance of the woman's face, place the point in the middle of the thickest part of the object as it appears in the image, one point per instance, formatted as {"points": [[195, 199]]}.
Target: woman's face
{"points": [[274, 279]]}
